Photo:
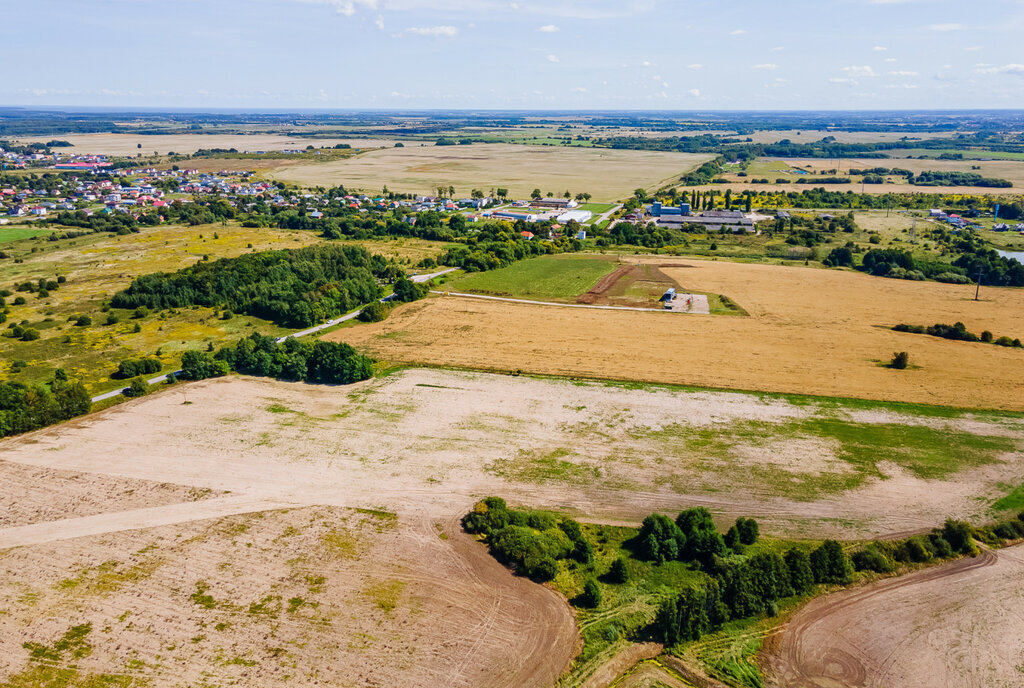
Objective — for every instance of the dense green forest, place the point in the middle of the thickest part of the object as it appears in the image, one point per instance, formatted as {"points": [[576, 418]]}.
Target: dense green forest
{"points": [[24, 407], [293, 288]]}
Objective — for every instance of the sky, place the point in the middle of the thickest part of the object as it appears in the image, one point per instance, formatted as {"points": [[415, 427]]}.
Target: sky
{"points": [[528, 54]]}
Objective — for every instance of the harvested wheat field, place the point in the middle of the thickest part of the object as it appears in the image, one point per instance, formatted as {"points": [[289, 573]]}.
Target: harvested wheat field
{"points": [[946, 627], [604, 173], [811, 331]]}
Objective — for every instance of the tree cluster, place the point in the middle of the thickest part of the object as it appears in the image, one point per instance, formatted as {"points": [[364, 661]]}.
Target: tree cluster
{"points": [[24, 407], [296, 359]]}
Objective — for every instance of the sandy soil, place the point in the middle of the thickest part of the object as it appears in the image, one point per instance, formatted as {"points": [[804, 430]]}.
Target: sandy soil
{"points": [[811, 331], [606, 174], [952, 626], [32, 494], [128, 144], [298, 597]]}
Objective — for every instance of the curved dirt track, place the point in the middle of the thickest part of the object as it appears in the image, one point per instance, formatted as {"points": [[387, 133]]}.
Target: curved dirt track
{"points": [[954, 626]]}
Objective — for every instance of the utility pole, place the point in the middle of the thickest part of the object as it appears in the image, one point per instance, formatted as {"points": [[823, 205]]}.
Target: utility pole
{"points": [[978, 288]]}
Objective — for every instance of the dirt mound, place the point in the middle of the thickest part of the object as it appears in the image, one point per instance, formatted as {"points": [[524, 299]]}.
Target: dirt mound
{"points": [[630, 285], [949, 626]]}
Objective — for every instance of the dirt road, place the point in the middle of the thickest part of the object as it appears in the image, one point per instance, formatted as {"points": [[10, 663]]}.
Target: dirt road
{"points": [[952, 626]]}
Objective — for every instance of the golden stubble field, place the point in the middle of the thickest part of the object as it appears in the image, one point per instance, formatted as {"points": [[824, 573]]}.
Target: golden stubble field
{"points": [[605, 174], [811, 331], [1012, 170]]}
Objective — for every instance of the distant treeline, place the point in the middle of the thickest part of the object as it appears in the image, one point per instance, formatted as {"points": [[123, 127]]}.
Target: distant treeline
{"points": [[495, 246], [293, 288], [958, 332], [975, 260]]}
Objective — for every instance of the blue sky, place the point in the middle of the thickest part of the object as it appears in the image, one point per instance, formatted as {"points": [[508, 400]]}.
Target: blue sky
{"points": [[528, 54]]}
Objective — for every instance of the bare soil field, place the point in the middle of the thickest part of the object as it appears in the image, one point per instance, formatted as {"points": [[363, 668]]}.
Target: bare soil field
{"points": [[951, 626], [128, 144], [329, 544], [32, 494], [811, 331], [606, 174]]}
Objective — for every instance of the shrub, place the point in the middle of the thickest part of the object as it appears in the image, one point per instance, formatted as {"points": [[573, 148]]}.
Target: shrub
{"points": [[198, 365], [140, 312], [917, 549], [29, 335], [19, 301], [900, 360], [83, 321], [406, 290], [748, 530], [941, 546], [132, 367], [660, 539], [959, 536], [986, 337], [112, 319]]}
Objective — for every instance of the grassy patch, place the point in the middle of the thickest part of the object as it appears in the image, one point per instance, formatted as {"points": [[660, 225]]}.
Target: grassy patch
{"points": [[1013, 501], [551, 278], [385, 594]]}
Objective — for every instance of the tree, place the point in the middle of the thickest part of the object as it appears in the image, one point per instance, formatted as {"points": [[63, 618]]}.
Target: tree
{"points": [[618, 572], [567, 194], [373, 312], [732, 539], [800, 575], [959, 536], [451, 191], [748, 530], [406, 290], [900, 360], [591, 596], [830, 564], [138, 388], [502, 193], [199, 365], [535, 194]]}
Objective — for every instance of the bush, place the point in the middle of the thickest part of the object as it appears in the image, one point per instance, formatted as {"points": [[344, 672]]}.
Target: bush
{"points": [[29, 335], [591, 596], [112, 319], [373, 312], [406, 290], [959, 536], [871, 559], [748, 530], [140, 312], [19, 301], [900, 360], [660, 539], [917, 549], [83, 321]]}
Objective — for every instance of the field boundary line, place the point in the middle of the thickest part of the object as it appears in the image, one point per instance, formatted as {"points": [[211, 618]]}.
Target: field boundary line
{"points": [[552, 303]]}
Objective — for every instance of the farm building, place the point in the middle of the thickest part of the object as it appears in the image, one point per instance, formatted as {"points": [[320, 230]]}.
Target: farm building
{"points": [[578, 215], [554, 203], [709, 218]]}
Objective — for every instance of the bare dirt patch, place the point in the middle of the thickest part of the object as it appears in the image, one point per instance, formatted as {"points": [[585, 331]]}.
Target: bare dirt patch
{"points": [[811, 331], [33, 493], [953, 625]]}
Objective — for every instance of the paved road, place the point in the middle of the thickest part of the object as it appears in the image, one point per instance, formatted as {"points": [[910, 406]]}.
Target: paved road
{"points": [[553, 303], [301, 333]]}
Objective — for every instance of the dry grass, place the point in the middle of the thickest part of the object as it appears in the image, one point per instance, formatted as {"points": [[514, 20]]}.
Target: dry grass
{"points": [[606, 174], [811, 331]]}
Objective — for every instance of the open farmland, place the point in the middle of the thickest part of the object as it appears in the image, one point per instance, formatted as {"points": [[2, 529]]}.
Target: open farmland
{"points": [[548, 278], [128, 144], [811, 331], [606, 174], [325, 540], [955, 625]]}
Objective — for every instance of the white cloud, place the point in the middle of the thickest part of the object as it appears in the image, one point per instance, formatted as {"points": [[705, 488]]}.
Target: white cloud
{"points": [[879, 48], [972, 49], [437, 31], [945, 27], [647, 63], [843, 80], [695, 65], [902, 72], [379, 22], [1013, 69], [346, 7], [737, 32], [549, 28], [890, 59], [859, 71], [695, 92], [579, 89], [767, 65], [553, 58]]}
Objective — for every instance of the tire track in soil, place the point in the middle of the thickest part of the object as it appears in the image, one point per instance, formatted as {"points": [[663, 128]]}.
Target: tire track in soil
{"points": [[804, 660]]}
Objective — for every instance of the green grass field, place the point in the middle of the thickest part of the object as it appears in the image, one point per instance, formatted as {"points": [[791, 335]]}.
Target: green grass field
{"points": [[596, 208], [547, 278], [10, 233]]}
